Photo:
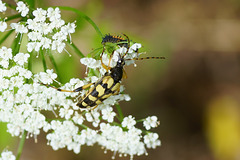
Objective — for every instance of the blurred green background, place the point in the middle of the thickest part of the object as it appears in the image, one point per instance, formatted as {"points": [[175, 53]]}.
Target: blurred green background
{"points": [[195, 91]]}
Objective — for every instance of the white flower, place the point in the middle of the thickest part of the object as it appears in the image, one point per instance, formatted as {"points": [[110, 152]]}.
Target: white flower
{"points": [[16, 82], [19, 28], [121, 51], [46, 78], [76, 83], [46, 42], [4, 63], [69, 28], [5, 53], [90, 62], [114, 59], [63, 134], [3, 7], [89, 117], [34, 36], [34, 122], [33, 46], [40, 15], [22, 8], [94, 79], [125, 142], [3, 26], [21, 58], [57, 23], [151, 140], [108, 114], [126, 97], [96, 116], [90, 136], [78, 118], [59, 36], [44, 28], [150, 122], [7, 155], [25, 73], [33, 24], [53, 14], [47, 30], [134, 47], [65, 112], [58, 45], [4, 83], [51, 74], [128, 122]]}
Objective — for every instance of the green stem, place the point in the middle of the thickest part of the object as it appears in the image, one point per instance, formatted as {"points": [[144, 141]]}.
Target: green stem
{"points": [[16, 44], [84, 16], [117, 124], [43, 60], [5, 36], [140, 120], [13, 17], [20, 146], [96, 52], [30, 62], [11, 6], [54, 63], [119, 112], [74, 47], [91, 72], [84, 126], [31, 3]]}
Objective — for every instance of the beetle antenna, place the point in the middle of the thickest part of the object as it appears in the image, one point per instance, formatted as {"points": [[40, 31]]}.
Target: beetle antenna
{"points": [[145, 58]]}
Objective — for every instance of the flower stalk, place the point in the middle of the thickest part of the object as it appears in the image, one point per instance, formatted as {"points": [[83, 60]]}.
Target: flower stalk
{"points": [[5, 36], [21, 145]]}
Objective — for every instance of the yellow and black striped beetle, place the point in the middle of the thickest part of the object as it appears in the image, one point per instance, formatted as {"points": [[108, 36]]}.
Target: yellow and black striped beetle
{"points": [[109, 83]]}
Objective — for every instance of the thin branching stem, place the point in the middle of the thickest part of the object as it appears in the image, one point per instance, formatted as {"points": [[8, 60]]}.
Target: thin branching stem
{"points": [[30, 62], [20, 146], [84, 16], [54, 63], [120, 114], [6, 36], [16, 44], [13, 17], [43, 60], [75, 48]]}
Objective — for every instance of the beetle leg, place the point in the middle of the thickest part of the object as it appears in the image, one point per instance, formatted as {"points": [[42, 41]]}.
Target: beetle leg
{"points": [[128, 45], [117, 91], [93, 107], [110, 59], [124, 74], [107, 68], [104, 66], [75, 90]]}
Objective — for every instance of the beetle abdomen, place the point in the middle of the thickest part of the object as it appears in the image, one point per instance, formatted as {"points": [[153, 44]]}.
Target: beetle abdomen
{"points": [[99, 92]]}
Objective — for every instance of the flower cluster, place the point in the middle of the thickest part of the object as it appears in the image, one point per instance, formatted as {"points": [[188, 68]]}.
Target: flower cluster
{"points": [[45, 31], [7, 155], [24, 100], [22, 103], [22, 8]]}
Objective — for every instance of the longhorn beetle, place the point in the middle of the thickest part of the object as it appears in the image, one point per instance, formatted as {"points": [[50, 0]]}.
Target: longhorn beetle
{"points": [[109, 83]]}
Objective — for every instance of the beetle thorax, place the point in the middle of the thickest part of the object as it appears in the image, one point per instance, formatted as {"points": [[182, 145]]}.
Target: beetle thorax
{"points": [[117, 73]]}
